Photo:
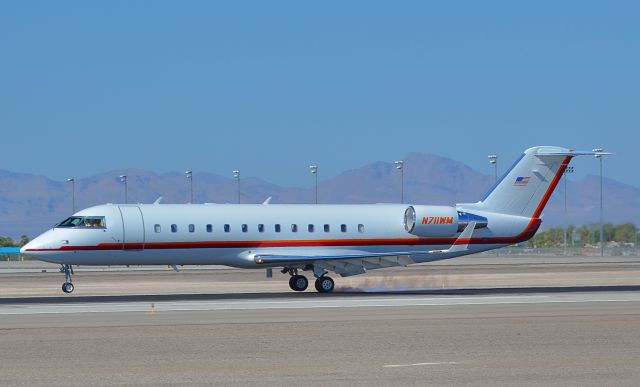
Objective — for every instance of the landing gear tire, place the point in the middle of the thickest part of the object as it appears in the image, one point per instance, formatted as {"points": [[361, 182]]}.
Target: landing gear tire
{"points": [[67, 287], [67, 270], [324, 284], [298, 283]]}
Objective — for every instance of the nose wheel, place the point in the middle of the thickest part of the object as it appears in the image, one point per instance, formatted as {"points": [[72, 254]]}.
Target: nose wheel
{"points": [[67, 286]]}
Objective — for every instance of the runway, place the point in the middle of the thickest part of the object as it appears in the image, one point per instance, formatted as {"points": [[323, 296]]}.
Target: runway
{"points": [[565, 334], [369, 300]]}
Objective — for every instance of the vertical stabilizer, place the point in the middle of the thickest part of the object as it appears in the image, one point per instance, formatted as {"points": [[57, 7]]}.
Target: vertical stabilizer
{"points": [[527, 186]]}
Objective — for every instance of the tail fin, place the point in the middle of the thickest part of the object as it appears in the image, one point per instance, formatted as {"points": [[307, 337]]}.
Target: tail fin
{"points": [[527, 186]]}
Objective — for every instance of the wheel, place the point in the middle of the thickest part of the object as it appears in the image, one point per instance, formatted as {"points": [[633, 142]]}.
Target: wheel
{"points": [[298, 283], [67, 287], [324, 284]]}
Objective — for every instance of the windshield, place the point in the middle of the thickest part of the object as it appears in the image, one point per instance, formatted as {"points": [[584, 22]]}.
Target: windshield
{"points": [[83, 222]]}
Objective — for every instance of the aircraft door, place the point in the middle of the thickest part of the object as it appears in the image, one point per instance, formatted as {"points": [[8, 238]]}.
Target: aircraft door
{"points": [[133, 228]]}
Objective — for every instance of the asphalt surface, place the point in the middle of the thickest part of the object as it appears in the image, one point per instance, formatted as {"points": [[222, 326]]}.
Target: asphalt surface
{"points": [[525, 323]]}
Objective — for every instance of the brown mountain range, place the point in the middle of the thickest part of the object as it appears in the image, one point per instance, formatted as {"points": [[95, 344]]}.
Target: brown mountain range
{"points": [[30, 204]]}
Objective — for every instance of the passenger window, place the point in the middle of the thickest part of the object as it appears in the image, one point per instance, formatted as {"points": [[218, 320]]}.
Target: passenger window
{"points": [[227, 228], [343, 228], [174, 228], [326, 228], [245, 228], [361, 228], [157, 228], [294, 228], [192, 228], [277, 227], [209, 228], [310, 228], [261, 228]]}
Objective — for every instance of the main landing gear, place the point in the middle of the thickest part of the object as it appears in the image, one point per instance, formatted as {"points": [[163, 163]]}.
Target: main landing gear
{"points": [[324, 284], [299, 283], [67, 286]]}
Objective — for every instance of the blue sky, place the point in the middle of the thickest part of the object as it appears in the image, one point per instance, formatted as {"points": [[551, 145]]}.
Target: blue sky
{"points": [[270, 87]]}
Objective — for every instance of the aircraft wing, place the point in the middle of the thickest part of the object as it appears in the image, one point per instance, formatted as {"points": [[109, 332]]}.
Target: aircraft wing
{"points": [[353, 262], [343, 262]]}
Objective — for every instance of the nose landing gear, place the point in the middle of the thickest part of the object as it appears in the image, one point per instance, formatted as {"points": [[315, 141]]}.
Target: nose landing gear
{"points": [[67, 286]]}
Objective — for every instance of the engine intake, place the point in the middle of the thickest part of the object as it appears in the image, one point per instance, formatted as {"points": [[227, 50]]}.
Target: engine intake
{"points": [[431, 221]]}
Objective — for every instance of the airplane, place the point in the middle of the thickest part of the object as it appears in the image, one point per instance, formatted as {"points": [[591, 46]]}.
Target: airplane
{"points": [[316, 238]]}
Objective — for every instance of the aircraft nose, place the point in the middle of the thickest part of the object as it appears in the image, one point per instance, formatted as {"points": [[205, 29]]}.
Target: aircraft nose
{"points": [[30, 248], [39, 245]]}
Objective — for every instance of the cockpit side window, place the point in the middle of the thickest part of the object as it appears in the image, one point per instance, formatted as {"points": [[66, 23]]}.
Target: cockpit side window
{"points": [[95, 222], [73, 221]]}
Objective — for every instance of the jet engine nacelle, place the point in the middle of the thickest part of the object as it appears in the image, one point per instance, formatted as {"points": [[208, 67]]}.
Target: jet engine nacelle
{"points": [[431, 221]]}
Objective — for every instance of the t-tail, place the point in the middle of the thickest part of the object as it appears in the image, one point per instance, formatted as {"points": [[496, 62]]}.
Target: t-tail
{"points": [[526, 187]]}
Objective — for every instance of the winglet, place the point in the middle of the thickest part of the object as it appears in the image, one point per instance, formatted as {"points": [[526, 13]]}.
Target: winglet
{"points": [[461, 243], [267, 201]]}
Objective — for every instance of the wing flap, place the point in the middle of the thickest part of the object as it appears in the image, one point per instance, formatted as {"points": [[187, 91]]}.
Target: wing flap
{"points": [[351, 267]]}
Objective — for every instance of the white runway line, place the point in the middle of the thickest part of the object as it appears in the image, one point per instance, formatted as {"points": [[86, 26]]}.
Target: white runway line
{"points": [[419, 364], [350, 302]]}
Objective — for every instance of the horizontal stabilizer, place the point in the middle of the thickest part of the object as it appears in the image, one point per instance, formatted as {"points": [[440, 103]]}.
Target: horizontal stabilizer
{"points": [[569, 152]]}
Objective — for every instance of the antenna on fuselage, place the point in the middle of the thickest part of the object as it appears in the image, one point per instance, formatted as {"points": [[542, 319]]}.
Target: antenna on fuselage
{"points": [[267, 201], [158, 200]]}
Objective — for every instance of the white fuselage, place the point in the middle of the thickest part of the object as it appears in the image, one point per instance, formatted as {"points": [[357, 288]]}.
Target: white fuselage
{"points": [[227, 234]]}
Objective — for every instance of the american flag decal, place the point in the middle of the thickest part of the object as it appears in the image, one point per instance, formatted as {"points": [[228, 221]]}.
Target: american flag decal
{"points": [[522, 180]]}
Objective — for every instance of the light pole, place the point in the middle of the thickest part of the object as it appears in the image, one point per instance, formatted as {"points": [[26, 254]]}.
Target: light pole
{"points": [[493, 159], [314, 170], [189, 175], [567, 170], [400, 166], [236, 175], [598, 155], [72, 180], [123, 179]]}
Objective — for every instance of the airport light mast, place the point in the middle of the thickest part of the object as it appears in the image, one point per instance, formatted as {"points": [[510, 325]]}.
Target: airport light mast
{"points": [[493, 159], [72, 180], [189, 175], [123, 179], [236, 175], [598, 156], [314, 170], [566, 227], [400, 166]]}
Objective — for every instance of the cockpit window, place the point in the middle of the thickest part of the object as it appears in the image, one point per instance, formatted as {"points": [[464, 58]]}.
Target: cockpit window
{"points": [[73, 221], [83, 222]]}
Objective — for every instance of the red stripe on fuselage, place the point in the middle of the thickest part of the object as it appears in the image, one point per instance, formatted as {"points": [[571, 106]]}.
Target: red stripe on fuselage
{"points": [[528, 232]]}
